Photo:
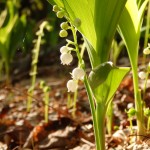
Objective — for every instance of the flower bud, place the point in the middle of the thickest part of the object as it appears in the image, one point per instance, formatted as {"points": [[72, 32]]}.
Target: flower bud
{"points": [[55, 8], [60, 14], [63, 33], [64, 25], [142, 75], [78, 74], [72, 86], [131, 112], [77, 22], [66, 58], [64, 49]]}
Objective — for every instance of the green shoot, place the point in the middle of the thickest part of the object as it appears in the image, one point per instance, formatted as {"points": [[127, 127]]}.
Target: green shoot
{"points": [[129, 28], [131, 113], [147, 114], [35, 51], [46, 89]]}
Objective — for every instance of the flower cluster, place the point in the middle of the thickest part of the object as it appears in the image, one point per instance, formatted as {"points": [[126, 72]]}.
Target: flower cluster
{"points": [[66, 57], [77, 73]]}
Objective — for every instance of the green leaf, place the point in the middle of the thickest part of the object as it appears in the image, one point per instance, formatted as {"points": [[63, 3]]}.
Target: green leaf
{"points": [[94, 59], [104, 81], [81, 10], [106, 17]]}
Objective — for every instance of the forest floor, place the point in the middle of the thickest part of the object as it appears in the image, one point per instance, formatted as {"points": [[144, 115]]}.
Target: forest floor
{"points": [[67, 128]]}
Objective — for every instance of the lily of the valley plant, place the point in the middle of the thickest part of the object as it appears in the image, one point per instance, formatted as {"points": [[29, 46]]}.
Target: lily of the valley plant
{"points": [[97, 21]]}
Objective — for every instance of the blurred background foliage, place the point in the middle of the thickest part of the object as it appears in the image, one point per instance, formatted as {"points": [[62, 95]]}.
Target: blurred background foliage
{"points": [[19, 21]]}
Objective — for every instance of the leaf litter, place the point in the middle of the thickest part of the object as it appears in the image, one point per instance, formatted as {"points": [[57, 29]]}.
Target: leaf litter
{"points": [[20, 129]]}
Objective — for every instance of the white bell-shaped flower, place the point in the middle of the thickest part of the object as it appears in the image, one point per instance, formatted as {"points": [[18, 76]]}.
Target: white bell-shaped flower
{"points": [[146, 51], [64, 49], [78, 74], [142, 75], [66, 58], [72, 85]]}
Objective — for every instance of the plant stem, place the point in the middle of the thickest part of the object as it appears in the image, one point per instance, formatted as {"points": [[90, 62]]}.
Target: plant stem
{"points": [[68, 101], [131, 125], [100, 116], [109, 116], [46, 96], [138, 102], [148, 124], [35, 56], [92, 106], [145, 83], [7, 70], [74, 103], [76, 45]]}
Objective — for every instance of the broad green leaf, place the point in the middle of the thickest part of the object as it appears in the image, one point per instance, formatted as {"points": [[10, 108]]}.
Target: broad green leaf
{"points": [[81, 10], [92, 5], [104, 81], [106, 16]]}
